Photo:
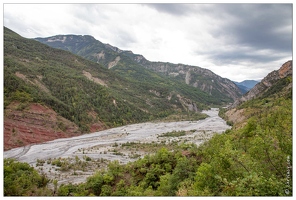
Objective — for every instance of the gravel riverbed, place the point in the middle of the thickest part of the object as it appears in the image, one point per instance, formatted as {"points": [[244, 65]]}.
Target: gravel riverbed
{"points": [[98, 146]]}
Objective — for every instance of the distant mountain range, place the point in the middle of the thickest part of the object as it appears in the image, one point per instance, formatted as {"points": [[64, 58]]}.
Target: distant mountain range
{"points": [[246, 85]]}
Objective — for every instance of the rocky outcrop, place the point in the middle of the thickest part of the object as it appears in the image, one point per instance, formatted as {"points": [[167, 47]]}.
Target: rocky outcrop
{"points": [[198, 77], [188, 104], [266, 83], [285, 70], [94, 79], [100, 56], [114, 63]]}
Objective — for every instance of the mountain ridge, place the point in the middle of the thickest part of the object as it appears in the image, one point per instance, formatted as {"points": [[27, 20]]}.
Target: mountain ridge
{"points": [[109, 55]]}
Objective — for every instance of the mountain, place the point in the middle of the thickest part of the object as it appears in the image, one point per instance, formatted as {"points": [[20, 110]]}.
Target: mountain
{"points": [[246, 85], [51, 93], [274, 81], [125, 63]]}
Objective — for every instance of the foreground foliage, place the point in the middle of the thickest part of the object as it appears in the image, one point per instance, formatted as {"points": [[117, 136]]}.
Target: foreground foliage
{"points": [[20, 179]]}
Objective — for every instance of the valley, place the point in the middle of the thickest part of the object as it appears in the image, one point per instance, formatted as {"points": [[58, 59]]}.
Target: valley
{"points": [[100, 147], [84, 118]]}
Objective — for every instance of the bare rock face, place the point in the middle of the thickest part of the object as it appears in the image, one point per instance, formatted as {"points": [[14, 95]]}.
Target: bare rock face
{"points": [[34, 123], [198, 77], [114, 63], [286, 69], [266, 83], [31, 123]]}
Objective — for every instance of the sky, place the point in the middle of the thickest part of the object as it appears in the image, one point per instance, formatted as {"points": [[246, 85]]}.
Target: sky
{"points": [[236, 41]]}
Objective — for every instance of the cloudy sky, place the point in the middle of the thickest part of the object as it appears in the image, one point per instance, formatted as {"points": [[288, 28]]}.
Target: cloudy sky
{"points": [[235, 41]]}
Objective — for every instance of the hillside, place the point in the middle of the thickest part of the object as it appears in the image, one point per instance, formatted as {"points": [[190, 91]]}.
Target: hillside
{"points": [[127, 64], [79, 96], [273, 81]]}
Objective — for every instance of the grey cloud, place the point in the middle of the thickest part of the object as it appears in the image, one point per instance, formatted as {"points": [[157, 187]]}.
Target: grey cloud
{"points": [[124, 39], [249, 29], [262, 26], [253, 24], [172, 8], [90, 13], [235, 57], [237, 33], [21, 27]]}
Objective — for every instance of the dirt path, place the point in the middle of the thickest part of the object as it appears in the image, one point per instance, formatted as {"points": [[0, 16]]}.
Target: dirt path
{"points": [[96, 145]]}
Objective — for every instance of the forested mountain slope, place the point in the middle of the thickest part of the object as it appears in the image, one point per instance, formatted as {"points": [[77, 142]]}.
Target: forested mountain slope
{"points": [[51, 93], [127, 64]]}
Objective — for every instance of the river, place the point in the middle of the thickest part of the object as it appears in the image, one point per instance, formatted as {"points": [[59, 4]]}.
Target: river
{"points": [[94, 144]]}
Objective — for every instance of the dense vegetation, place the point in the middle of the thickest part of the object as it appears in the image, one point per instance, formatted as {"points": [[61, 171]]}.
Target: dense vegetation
{"points": [[253, 160], [20, 179]]}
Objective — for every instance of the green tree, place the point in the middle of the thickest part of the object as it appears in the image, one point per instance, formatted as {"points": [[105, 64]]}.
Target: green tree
{"points": [[20, 179]]}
